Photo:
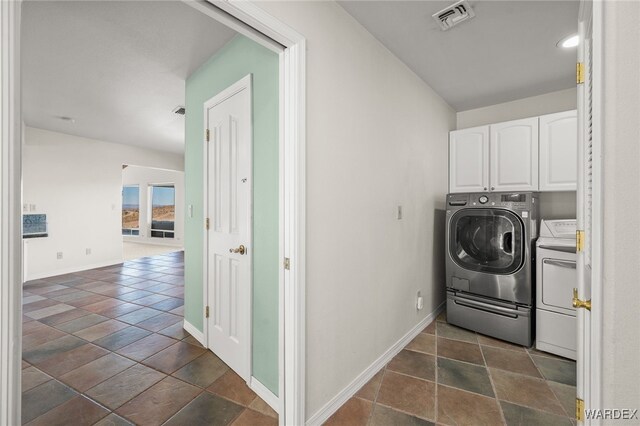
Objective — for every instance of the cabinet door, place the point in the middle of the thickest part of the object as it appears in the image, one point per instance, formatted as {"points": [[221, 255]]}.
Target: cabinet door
{"points": [[514, 155], [559, 151], [469, 160]]}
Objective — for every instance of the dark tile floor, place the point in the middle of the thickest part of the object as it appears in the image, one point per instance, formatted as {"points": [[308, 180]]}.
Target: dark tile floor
{"points": [[107, 347], [452, 376]]}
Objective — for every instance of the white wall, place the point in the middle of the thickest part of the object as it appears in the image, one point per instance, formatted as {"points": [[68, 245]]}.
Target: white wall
{"points": [[621, 144], [376, 138], [144, 177], [77, 183], [562, 100]]}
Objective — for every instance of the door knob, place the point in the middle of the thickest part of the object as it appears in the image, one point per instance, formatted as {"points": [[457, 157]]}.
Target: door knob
{"points": [[577, 303], [241, 249]]}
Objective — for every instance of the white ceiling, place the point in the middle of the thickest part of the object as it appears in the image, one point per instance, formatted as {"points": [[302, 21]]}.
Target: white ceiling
{"points": [[507, 52], [117, 68]]}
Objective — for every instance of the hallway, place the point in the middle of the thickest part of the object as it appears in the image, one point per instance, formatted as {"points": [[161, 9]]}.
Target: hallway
{"points": [[107, 347]]}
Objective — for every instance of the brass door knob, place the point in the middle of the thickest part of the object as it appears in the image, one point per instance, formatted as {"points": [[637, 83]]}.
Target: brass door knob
{"points": [[241, 249], [577, 303]]}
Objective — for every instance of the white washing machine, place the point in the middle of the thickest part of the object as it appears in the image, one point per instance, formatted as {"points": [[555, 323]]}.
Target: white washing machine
{"points": [[556, 278]]}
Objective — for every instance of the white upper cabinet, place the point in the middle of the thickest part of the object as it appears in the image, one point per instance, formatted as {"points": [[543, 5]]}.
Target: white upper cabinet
{"points": [[532, 154], [514, 155], [558, 151], [469, 160]]}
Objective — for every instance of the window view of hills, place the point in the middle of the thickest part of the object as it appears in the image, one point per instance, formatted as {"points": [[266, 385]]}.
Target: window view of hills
{"points": [[163, 210]]}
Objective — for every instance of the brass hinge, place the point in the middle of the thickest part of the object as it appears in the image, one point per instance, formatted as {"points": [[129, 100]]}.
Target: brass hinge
{"points": [[206, 312], [579, 240], [287, 263], [207, 135], [580, 72], [206, 224], [579, 410], [577, 303]]}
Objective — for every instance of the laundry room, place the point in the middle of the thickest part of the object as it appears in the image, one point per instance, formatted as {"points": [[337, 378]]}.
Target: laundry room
{"points": [[511, 224], [511, 247], [511, 212]]}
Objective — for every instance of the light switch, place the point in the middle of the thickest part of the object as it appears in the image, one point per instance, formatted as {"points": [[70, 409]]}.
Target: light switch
{"points": [[399, 213]]}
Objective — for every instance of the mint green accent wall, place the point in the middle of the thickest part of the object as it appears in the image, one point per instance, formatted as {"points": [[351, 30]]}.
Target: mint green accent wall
{"points": [[238, 58]]}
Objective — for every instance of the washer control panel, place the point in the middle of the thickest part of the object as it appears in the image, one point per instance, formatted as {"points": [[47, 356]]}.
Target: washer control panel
{"points": [[511, 201]]}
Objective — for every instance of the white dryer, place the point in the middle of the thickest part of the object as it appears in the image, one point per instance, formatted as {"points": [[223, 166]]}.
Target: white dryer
{"points": [[556, 278]]}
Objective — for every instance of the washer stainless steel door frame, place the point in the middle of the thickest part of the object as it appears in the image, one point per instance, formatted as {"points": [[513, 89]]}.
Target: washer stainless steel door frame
{"points": [[487, 240], [490, 245]]}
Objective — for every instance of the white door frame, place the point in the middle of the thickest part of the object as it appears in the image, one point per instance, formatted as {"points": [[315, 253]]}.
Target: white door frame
{"points": [[589, 374], [10, 215], [253, 22], [244, 83]]}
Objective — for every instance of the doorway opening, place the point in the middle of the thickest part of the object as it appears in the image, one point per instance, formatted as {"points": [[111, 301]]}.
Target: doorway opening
{"points": [[160, 228], [153, 211]]}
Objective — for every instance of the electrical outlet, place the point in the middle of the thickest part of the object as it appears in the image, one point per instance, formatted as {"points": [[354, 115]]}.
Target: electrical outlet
{"points": [[87, 251], [59, 255], [190, 210]]}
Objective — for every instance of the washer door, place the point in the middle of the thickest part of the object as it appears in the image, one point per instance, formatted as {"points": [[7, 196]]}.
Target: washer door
{"points": [[487, 240]]}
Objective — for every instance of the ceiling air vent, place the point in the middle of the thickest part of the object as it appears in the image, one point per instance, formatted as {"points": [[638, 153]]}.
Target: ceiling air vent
{"points": [[179, 110], [453, 15]]}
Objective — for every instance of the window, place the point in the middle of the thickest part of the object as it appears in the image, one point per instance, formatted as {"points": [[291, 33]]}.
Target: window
{"points": [[163, 211], [130, 210]]}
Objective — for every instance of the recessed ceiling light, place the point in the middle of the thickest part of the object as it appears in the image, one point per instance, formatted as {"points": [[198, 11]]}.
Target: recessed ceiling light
{"points": [[569, 42]]}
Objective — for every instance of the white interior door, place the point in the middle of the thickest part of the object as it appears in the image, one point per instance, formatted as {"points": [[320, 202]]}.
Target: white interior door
{"points": [[514, 155], [229, 213], [587, 202]]}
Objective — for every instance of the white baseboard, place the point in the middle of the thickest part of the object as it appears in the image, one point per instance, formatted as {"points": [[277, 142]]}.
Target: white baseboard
{"points": [[323, 414], [192, 330], [72, 269], [263, 392]]}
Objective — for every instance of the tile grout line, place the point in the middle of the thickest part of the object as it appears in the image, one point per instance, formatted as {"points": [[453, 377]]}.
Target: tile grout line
{"points": [[384, 372], [546, 381], [375, 396], [493, 387], [136, 362]]}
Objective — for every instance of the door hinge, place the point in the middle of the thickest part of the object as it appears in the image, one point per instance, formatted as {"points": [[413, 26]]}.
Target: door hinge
{"points": [[580, 72], [579, 241], [577, 303], [579, 410], [206, 312], [206, 224], [207, 135], [287, 263]]}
